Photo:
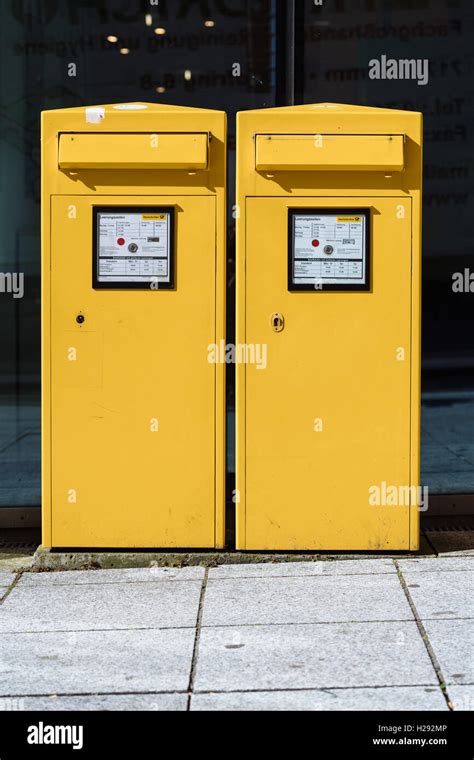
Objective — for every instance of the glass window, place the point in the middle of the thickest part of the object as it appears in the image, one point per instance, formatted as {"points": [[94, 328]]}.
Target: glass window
{"points": [[338, 45], [64, 53]]}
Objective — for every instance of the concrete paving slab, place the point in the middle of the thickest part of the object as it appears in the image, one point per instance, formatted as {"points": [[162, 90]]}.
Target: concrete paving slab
{"points": [[251, 601], [452, 543], [442, 595], [13, 563], [462, 697], [385, 698], [139, 575], [108, 606], [318, 567], [46, 560], [95, 662], [312, 656], [453, 645], [99, 703], [436, 564], [6, 579]]}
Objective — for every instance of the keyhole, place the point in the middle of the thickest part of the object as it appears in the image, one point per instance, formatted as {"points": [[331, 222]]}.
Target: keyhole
{"points": [[277, 322]]}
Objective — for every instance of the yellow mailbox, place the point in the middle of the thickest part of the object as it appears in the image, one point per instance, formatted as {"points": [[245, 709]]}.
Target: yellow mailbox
{"points": [[133, 296], [328, 287]]}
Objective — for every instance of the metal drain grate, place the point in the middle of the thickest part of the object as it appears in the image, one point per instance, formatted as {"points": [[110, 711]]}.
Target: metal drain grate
{"points": [[448, 528], [449, 525], [18, 545]]}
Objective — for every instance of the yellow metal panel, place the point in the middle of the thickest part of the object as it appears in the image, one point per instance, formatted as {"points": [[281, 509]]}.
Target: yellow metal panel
{"points": [[82, 352], [333, 363], [133, 151], [140, 359], [329, 152], [415, 411], [348, 360], [134, 407]]}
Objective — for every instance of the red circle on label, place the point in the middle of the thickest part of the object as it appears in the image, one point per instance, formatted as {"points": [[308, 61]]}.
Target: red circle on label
{"points": [[315, 243], [121, 241]]}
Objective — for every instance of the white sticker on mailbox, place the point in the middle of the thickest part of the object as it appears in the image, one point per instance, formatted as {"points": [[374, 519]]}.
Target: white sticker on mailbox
{"points": [[134, 248], [329, 250]]}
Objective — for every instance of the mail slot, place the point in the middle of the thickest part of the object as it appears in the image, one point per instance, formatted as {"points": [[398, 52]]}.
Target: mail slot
{"points": [[133, 268], [133, 151], [328, 290], [329, 152]]}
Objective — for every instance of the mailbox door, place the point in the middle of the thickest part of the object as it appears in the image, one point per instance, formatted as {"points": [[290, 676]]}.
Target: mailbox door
{"points": [[133, 405], [328, 418]]}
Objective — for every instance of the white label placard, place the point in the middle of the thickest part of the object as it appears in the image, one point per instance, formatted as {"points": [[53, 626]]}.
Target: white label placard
{"points": [[329, 249], [134, 247]]}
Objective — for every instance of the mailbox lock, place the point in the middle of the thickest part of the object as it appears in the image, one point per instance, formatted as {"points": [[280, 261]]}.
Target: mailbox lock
{"points": [[80, 319], [277, 322], [328, 249], [133, 247]]}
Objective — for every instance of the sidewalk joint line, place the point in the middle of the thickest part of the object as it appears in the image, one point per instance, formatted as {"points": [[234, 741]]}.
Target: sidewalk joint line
{"points": [[194, 658], [425, 639], [306, 576], [110, 583], [431, 572], [222, 625], [314, 622], [66, 694], [184, 692], [318, 688], [35, 632], [10, 587]]}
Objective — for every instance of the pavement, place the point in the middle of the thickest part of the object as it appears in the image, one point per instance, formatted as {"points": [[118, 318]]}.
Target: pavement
{"points": [[330, 634]]}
